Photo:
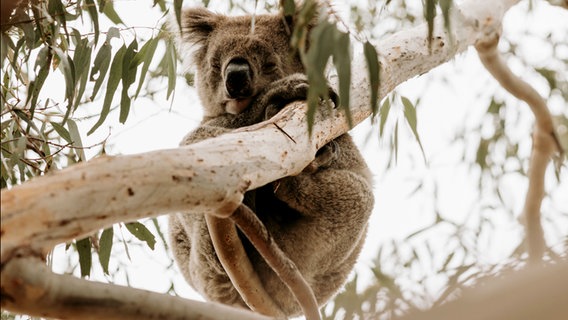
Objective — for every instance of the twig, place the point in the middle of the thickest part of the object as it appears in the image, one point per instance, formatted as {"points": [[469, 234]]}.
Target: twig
{"points": [[236, 263], [285, 268], [545, 142]]}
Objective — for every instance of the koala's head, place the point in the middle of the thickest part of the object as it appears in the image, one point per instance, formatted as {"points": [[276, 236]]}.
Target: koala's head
{"points": [[235, 61]]}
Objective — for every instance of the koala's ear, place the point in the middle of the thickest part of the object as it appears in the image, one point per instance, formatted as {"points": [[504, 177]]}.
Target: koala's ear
{"points": [[197, 24]]}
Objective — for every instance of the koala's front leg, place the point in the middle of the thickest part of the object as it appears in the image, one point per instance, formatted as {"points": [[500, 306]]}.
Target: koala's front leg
{"points": [[284, 91]]}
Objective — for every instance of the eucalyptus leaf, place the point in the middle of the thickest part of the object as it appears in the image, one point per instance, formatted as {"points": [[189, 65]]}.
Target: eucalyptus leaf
{"points": [[128, 77], [140, 231], [112, 84], [92, 10], [373, 67], [105, 247], [145, 55], [85, 256]]}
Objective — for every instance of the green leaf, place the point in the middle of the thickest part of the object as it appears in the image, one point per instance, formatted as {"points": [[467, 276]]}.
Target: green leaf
{"points": [[171, 63], [145, 55], [43, 60], [372, 59], [177, 11], [67, 67], [430, 14], [92, 10], [383, 114], [342, 62], [494, 107], [108, 10], [128, 77], [105, 247], [6, 42], [112, 84], [410, 116], [76, 139], [289, 7], [82, 59], [396, 142], [549, 75], [63, 133], [100, 67], [315, 61], [85, 257], [446, 6], [142, 233]]}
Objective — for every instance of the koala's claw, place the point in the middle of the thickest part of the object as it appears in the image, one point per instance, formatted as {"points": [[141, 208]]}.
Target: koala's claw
{"points": [[324, 157]]}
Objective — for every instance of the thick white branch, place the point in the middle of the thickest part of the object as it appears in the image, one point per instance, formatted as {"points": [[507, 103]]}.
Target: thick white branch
{"points": [[213, 175]]}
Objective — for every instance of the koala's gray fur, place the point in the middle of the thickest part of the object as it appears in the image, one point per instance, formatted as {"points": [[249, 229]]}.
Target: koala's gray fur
{"points": [[319, 217]]}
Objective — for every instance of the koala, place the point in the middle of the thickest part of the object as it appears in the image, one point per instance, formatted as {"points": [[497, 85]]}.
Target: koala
{"points": [[319, 217]]}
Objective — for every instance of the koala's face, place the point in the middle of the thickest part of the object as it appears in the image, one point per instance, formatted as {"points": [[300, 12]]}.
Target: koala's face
{"points": [[236, 61]]}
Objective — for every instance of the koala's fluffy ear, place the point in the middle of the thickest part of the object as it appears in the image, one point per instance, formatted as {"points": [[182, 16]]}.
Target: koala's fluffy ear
{"points": [[197, 24]]}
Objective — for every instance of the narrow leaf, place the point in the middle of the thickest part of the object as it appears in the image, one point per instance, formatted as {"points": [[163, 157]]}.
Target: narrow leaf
{"points": [[142, 233], [145, 54], [76, 139], [171, 62], [105, 247], [92, 10], [100, 67], [82, 63], [383, 114], [410, 116], [108, 10], [342, 62], [112, 84], [43, 60], [63, 133], [128, 77], [372, 59], [67, 67], [85, 257], [177, 11]]}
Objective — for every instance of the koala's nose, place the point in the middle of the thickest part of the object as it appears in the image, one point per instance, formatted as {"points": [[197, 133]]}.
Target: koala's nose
{"points": [[238, 79]]}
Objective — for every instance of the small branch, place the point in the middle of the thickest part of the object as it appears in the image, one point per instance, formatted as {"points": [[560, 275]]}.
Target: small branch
{"points": [[236, 263], [29, 287], [285, 268], [545, 142]]}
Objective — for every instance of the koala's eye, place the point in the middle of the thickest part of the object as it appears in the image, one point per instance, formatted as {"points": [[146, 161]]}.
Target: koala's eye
{"points": [[269, 67]]}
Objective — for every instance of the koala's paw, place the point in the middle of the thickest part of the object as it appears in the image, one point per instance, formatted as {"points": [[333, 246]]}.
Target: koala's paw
{"points": [[286, 90], [324, 157]]}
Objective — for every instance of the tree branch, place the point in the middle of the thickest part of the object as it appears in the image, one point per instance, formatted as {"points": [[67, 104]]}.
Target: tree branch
{"points": [[545, 141], [28, 286]]}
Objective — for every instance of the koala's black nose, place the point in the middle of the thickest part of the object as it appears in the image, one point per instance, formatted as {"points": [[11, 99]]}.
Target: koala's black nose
{"points": [[238, 79]]}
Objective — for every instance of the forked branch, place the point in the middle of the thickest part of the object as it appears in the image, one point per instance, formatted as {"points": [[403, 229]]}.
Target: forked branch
{"points": [[545, 141]]}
